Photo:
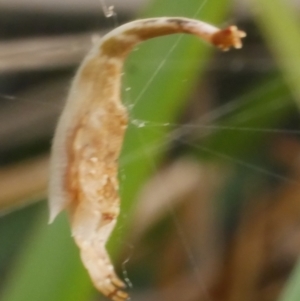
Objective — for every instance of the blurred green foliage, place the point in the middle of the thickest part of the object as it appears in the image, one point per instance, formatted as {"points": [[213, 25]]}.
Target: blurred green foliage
{"points": [[161, 74]]}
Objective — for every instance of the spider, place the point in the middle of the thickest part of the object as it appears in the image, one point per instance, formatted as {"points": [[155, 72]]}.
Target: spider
{"points": [[89, 137]]}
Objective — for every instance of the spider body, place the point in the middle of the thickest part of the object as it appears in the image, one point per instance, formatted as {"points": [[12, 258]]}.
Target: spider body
{"points": [[89, 138]]}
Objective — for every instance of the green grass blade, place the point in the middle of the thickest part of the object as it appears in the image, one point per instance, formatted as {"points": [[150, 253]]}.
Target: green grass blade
{"points": [[160, 76], [292, 289], [280, 28], [46, 267]]}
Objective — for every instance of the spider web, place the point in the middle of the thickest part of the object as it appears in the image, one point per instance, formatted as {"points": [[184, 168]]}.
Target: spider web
{"points": [[207, 123]]}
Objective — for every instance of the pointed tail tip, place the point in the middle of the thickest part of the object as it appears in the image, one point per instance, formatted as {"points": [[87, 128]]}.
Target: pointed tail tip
{"points": [[53, 213]]}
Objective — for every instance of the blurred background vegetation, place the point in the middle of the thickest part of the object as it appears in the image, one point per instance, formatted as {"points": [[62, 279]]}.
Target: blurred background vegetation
{"points": [[210, 168]]}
